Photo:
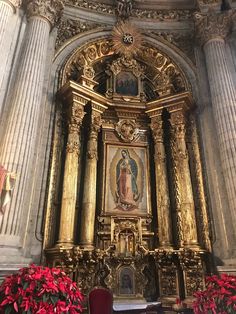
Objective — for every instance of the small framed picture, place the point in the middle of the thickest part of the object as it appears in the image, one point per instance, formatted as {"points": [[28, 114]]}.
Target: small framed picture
{"points": [[126, 281]]}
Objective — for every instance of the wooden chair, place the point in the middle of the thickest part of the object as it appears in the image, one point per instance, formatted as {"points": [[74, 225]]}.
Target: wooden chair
{"points": [[100, 301]]}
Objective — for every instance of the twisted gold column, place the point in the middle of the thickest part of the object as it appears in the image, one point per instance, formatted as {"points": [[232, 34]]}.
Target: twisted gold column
{"points": [[162, 189], [186, 211], [75, 116], [89, 196], [195, 164]]}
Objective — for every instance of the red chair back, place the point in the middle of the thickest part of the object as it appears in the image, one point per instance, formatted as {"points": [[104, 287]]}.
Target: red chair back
{"points": [[100, 301]]}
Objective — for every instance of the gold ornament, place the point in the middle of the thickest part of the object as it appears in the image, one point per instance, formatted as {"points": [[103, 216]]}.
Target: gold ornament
{"points": [[126, 39]]}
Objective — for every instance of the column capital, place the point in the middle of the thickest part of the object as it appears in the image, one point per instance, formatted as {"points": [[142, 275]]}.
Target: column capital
{"points": [[95, 126], [75, 119], [212, 25], [178, 124], [157, 128], [13, 3], [51, 10]]}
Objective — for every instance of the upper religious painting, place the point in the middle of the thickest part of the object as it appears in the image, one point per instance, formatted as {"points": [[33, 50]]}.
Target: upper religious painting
{"points": [[126, 186], [126, 84]]}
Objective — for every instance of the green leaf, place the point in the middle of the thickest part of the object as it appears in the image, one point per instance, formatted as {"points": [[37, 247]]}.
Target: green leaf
{"points": [[8, 310], [26, 285], [54, 299], [45, 298]]}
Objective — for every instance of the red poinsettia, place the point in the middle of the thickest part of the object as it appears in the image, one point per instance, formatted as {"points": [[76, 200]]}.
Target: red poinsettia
{"points": [[40, 290], [219, 296]]}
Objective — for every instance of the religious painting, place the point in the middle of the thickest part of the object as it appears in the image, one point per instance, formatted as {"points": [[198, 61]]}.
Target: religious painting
{"points": [[126, 281], [126, 84], [126, 190]]}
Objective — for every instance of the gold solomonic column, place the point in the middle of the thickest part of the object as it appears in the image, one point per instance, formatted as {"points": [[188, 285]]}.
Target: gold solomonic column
{"points": [[162, 189], [186, 212], [75, 115], [90, 186]]}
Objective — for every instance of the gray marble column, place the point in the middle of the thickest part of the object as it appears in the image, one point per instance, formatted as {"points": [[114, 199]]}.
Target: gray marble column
{"points": [[211, 30], [18, 143]]}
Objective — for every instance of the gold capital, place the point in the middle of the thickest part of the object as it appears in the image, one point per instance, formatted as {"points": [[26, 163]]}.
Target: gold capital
{"points": [[157, 128]]}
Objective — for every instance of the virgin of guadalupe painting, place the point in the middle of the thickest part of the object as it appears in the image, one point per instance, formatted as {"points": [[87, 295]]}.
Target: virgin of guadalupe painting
{"points": [[126, 180], [126, 188]]}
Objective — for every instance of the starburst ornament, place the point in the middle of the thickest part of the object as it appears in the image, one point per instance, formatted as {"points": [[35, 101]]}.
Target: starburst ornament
{"points": [[127, 39]]}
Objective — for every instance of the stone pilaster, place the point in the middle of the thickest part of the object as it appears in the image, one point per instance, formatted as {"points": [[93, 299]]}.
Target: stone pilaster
{"points": [[89, 196], [211, 30], [162, 189], [185, 207], [18, 142], [70, 188]]}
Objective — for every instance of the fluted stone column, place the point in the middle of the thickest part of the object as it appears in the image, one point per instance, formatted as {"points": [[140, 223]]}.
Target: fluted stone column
{"points": [[211, 30], [7, 10], [186, 209], [162, 189], [75, 114], [90, 182], [18, 143]]}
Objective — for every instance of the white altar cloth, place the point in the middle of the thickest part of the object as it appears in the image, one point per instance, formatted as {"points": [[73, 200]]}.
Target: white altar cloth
{"points": [[133, 306]]}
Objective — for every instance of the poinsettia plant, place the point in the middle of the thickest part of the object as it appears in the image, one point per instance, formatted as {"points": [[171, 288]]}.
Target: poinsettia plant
{"points": [[219, 296], [40, 290]]}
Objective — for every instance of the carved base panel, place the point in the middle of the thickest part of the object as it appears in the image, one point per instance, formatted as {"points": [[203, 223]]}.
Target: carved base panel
{"points": [[161, 274]]}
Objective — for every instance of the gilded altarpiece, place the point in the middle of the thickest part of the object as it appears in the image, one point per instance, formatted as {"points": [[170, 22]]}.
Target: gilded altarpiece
{"points": [[135, 218]]}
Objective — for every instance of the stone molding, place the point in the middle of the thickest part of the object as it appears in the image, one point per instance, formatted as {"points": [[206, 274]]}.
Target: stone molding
{"points": [[51, 10], [159, 15], [68, 28], [206, 5], [212, 26]]}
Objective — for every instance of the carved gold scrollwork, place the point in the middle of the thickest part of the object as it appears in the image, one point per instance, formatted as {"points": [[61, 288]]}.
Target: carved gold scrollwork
{"points": [[162, 189], [186, 210], [202, 213], [76, 115], [129, 63], [157, 133], [96, 122], [166, 75], [192, 265], [127, 130], [167, 272], [177, 131]]}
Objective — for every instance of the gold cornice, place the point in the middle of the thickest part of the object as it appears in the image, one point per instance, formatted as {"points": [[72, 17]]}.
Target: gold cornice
{"points": [[71, 88], [181, 101]]}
